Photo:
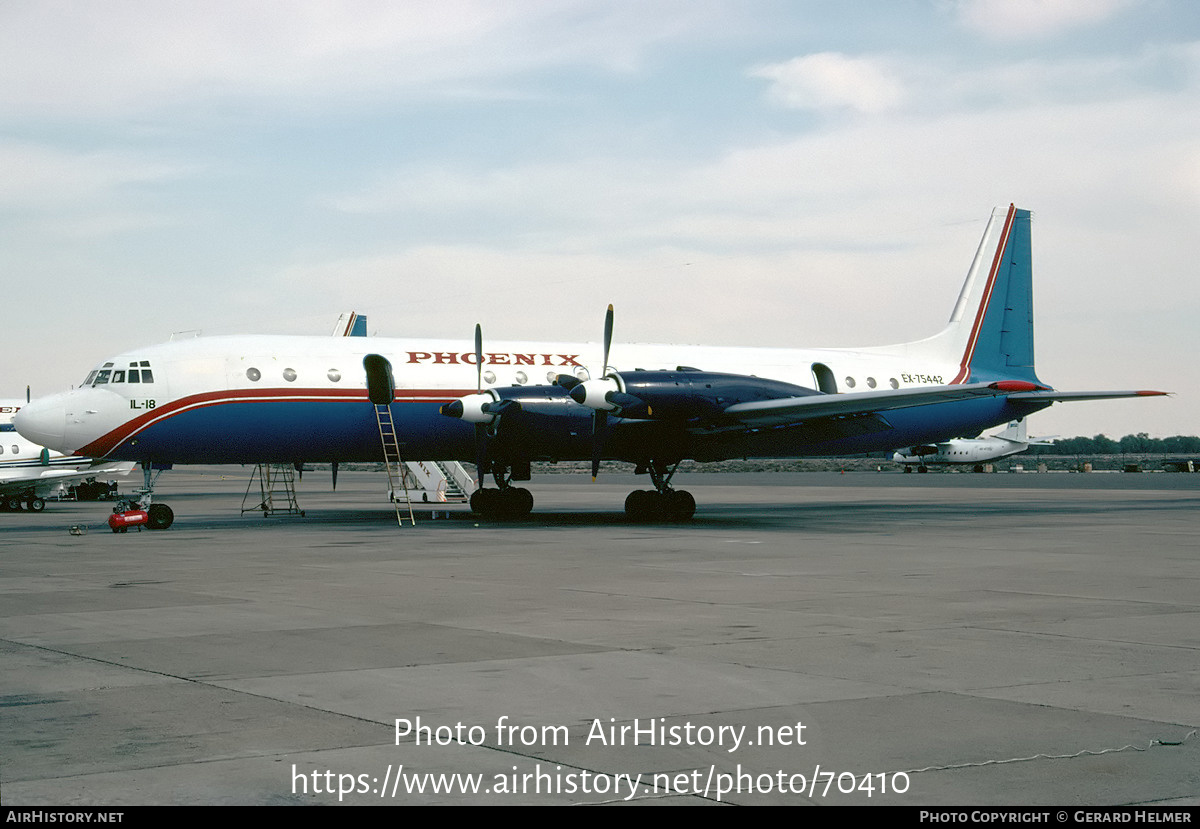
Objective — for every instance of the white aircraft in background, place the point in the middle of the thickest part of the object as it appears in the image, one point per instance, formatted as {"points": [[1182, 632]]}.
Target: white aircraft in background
{"points": [[29, 472], [278, 399], [970, 451]]}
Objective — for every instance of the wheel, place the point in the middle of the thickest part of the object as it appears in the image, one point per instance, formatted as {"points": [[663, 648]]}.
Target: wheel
{"points": [[519, 501], [907, 470], [643, 505], [35, 504], [160, 517], [12, 503], [482, 501], [922, 468], [680, 505]]}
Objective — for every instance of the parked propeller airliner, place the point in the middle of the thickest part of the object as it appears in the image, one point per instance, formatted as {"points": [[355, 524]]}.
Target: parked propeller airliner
{"points": [[260, 399]]}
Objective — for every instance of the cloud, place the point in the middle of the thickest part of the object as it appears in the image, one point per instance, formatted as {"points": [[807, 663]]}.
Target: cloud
{"points": [[35, 178], [830, 80], [67, 60], [1011, 19]]}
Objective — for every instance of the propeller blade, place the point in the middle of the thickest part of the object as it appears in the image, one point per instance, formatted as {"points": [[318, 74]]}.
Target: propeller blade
{"points": [[478, 358], [600, 417], [608, 332]]}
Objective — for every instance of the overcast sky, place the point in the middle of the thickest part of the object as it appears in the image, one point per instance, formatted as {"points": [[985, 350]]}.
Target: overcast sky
{"points": [[744, 173]]}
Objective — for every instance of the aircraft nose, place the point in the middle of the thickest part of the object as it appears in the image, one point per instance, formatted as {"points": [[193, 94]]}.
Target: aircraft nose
{"points": [[44, 422]]}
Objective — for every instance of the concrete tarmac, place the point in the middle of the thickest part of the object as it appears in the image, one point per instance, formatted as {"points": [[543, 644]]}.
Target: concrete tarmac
{"points": [[808, 639]]}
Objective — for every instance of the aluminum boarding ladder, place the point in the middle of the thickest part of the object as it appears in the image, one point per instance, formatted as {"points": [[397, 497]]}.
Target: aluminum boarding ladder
{"points": [[394, 463], [277, 486]]}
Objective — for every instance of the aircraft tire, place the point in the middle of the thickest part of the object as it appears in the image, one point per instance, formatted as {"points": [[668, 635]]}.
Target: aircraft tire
{"points": [[160, 517], [680, 505], [514, 502], [651, 505], [13, 504], [908, 470], [478, 501], [640, 504], [520, 502], [922, 468], [35, 504]]}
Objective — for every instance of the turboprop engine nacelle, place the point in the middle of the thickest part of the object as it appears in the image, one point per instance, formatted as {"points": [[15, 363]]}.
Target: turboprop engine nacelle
{"points": [[482, 407], [683, 394]]}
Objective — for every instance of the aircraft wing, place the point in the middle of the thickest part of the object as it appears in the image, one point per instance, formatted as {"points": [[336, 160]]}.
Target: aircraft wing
{"points": [[20, 479], [790, 410]]}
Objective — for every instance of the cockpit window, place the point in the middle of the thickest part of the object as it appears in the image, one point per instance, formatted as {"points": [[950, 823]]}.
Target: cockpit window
{"points": [[142, 374], [138, 372]]}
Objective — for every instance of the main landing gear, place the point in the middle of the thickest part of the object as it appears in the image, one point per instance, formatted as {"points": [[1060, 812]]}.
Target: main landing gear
{"points": [[661, 503], [13, 503], [506, 501]]}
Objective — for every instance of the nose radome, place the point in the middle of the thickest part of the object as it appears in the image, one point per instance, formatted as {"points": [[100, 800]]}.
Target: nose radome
{"points": [[44, 422]]}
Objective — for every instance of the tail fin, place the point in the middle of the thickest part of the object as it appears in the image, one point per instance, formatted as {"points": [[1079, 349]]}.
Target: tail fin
{"points": [[990, 333], [350, 324], [1015, 431]]}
